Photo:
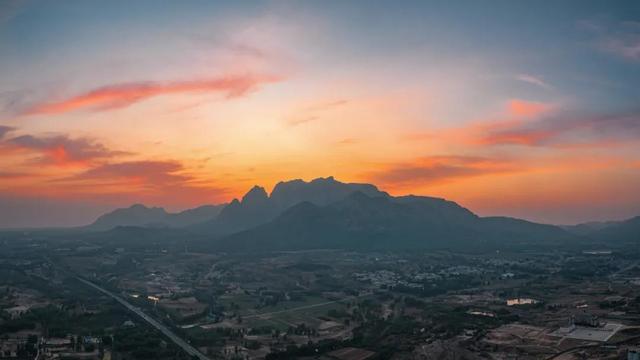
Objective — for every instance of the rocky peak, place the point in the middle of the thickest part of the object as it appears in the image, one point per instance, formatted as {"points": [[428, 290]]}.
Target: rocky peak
{"points": [[256, 195]]}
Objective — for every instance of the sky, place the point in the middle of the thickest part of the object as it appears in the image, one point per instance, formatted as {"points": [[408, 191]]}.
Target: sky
{"points": [[528, 109]]}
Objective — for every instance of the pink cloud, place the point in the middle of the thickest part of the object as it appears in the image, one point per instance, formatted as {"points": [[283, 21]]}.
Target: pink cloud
{"points": [[59, 150], [150, 172], [439, 169], [564, 130], [523, 108], [123, 95]]}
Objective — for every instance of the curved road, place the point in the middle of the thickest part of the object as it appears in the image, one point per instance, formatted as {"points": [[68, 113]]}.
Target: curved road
{"points": [[163, 329]]}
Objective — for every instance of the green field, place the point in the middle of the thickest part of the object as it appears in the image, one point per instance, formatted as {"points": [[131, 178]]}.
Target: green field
{"points": [[284, 314]]}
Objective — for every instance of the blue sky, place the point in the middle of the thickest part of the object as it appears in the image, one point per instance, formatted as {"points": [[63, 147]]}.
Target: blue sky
{"points": [[454, 99]]}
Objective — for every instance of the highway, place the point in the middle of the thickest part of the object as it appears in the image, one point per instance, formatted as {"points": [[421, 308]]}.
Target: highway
{"points": [[163, 329]]}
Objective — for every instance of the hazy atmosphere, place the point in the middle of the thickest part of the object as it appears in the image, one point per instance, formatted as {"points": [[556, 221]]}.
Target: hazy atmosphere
{"points": [[319, 180], [515, 108]]}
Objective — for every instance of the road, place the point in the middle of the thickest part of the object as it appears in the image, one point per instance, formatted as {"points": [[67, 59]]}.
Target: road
{"points": [[163, 329]]}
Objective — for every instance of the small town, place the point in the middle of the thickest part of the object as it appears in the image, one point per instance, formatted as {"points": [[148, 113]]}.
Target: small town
{"points": [[340, 304]]}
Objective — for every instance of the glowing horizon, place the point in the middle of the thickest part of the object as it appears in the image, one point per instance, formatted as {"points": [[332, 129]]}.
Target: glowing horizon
{"points": [[508, 111]]}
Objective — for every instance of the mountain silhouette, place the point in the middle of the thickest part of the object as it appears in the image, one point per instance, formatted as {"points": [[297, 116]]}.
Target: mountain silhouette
{"points": [[256, 207], [362, 222], [326, 213], [627, 231], [143, 216], [589, 227], [321, 191]]}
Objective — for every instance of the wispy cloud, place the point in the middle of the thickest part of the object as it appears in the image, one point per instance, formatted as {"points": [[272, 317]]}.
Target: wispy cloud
{"points": [[439, 169], [298, 120], [9, 9], [84, 168], [314, 112], [158, 173], [516, 136], [123, 95], [533, 80], [14, 102], [59, 150], [347, 141], [153, 180], [327, 105], [516, 114], [566, 130], [4, 175], [621, 39], [4, 130], [534, 124]]}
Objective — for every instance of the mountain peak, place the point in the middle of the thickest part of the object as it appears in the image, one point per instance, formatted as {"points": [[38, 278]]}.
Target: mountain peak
{"points": [[329, 179], [257, 194], [256, 207], [320, 191], [138, 206], [143, 208]]}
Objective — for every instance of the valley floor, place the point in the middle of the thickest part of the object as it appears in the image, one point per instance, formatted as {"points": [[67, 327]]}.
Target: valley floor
{"points": [[323, 304]]}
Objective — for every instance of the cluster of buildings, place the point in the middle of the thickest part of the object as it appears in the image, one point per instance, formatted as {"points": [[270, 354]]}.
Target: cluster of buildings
{"points": [[384, 279], [31, 347]]}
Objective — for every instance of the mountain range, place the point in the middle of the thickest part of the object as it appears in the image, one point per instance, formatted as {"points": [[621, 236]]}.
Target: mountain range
{"points": [[154, 217], [257, 207], [361, 222], [326, 213]]}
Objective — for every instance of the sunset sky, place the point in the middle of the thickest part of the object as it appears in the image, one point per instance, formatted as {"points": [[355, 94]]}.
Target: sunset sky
{"points": [[509, 108]]}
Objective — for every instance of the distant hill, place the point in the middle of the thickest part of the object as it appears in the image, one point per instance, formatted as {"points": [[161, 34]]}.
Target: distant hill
{"points": [[627, 231], [588, 227], [363, 222], [195, 215], [143, 216], [257, 207], [518, 232]]}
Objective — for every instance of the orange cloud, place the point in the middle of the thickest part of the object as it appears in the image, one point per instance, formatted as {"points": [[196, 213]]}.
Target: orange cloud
{"points": [[516, 125], [523, 108], [123, 95], [4, 175], [59, 150], [64, 167], [149, 173], [347, 141], [166, 182], [522, 137], [561, 130], [4, 130], [566, 131], [438, 169]]}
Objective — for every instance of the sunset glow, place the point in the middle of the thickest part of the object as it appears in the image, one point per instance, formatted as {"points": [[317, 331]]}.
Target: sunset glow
{"points": [[108, 104]]}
